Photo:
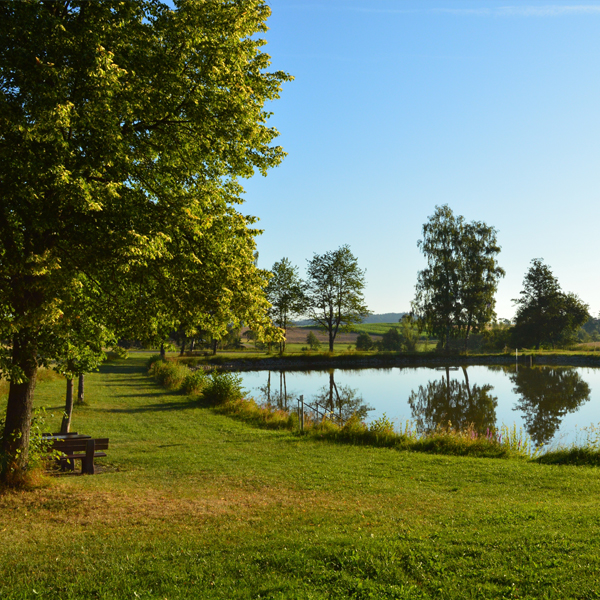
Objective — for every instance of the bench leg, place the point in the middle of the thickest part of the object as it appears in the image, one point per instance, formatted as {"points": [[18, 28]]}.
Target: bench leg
{"points": [[87, 464]]}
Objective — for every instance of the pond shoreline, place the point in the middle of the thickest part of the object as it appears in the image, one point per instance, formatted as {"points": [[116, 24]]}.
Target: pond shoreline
{"points": [[308, 363]]}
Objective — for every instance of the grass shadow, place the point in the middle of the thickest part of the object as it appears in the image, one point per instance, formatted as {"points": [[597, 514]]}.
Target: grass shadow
{"points": [[108, 368], [163, 407]]}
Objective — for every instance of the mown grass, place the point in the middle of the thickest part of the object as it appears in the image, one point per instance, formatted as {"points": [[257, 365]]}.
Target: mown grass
{"points": [[194, 504]]}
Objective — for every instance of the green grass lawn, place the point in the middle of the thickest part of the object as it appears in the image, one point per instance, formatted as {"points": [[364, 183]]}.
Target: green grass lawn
{"points": [[192, 504]]}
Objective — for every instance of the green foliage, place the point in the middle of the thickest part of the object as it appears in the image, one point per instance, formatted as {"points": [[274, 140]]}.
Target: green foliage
{"points": [[313, 341], [169, 373], [334, 291], [545, 314], [455, 292], [497, 338], [285, 292], [134, 122], [391, 341], [409, 334], [117, 353], [223, 387], [194, 382], [154, 358], [364, 341]]}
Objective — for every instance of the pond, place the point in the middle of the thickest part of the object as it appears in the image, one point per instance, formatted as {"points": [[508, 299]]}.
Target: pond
{"points": [[552, 404]]}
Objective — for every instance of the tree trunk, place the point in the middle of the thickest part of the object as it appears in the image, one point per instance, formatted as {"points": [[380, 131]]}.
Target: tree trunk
{"points": [[269, 389], [331, 340], [182, 351], [467, 336], [163, 354], [214, 346], [80, 389], [467, 382], [280, 389], [18, 409], [331, 384], [285, 391], [66, 422]]}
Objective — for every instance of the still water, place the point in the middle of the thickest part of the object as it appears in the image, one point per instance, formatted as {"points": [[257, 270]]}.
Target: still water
{"points": [[552, 404]]}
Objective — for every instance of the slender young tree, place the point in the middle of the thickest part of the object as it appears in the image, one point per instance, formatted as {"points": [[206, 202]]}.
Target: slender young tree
{"points": [[285, 292], [124, 129], [334, 289]]}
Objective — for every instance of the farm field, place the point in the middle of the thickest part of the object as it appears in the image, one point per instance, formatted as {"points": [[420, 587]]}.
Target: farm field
{"points": [[296, 337], [191, 504]]}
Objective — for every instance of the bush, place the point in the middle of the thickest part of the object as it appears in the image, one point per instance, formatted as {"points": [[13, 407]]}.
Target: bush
{"points": [[168, 373], [223, 387], [312, 341], [364, 341], [154, 358], [194, 382], [391, 340]]}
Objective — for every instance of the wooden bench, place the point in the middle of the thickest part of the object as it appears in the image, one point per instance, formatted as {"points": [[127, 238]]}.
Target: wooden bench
{"points": [[74, 446]]}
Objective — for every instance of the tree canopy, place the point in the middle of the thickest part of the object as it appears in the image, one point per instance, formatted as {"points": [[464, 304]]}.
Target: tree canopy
{"points": [[455, 293], [124, 129], [546, 314], [334, 290]]}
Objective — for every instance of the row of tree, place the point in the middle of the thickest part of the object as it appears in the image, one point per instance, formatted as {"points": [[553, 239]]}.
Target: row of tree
{"points": [[455, 293]]}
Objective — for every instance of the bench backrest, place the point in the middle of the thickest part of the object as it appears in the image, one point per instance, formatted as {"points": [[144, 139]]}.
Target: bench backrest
{"points": [[69, 446]]}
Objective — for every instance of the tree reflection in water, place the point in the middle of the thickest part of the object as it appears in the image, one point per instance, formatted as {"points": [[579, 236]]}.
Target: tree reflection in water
{"points": [[451, 401], [341, 401], [277, 397], [547, 395]]}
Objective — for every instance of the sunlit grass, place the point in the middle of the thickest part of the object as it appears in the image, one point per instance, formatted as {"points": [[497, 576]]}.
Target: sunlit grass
{"points": [[194, 504]]}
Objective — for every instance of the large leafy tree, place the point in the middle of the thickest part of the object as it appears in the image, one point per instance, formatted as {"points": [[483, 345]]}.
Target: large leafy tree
{"points": [[546, 314], [124, 128], [334, 290], [455, 293], [285, 292]]}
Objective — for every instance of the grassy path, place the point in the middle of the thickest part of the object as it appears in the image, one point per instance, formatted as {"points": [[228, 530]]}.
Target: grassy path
{"points": [[197, 505]]}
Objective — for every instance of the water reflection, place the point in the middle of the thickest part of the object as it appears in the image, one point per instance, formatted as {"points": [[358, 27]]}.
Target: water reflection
{"points": [[450, 400], [341, 401], [546, 396], [279, 397]]}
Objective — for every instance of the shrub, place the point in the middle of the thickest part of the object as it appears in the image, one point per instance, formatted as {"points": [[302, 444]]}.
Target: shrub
{"points": [[154, 358], [313, 341], [364, 341], [194, 382], [168, 373], [391, 340], [223, 387]]}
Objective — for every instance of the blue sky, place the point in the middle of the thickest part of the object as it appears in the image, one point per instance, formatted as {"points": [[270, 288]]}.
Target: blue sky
{"points": [[398, 106]]}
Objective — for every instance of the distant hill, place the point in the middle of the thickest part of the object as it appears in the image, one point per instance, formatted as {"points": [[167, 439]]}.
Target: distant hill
{"points": [[382, 318]]}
